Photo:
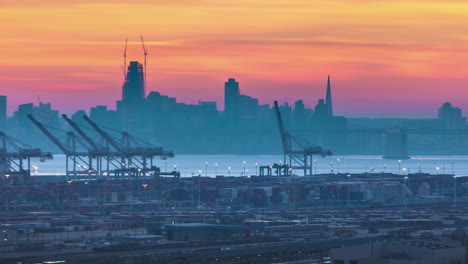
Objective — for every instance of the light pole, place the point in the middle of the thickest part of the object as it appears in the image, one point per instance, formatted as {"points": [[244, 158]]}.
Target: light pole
{"points": [[229, 171], [256, 168], [437, 169], [443, 179], [349, 189], [315, 166], [245, 163], [185, 172], [420, 166], [399, 166], [216, 168], [89, 189], [454, 191], [199, 187], [69, 189], [57, 191], [175, 167], [7, 176], [404, 190], [144, 192], [331, 167], [206, 168], [338, 166]]}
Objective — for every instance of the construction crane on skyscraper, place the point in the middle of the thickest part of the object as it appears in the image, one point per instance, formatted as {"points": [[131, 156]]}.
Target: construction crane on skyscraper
{"points": [[125, 61], [145, 52]]}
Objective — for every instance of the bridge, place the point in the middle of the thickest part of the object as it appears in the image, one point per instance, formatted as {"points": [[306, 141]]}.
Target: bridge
{"points": [[396, 139]]}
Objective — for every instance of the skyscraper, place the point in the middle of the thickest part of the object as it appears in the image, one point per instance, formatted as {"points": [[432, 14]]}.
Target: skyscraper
{"points": [[450, 116], [328, 99], [133, 89], [231, 99], [3, 112]]}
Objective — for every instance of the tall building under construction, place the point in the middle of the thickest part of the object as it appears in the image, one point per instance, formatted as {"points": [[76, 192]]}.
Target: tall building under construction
{"points": [[133, 89], [132, 106]]}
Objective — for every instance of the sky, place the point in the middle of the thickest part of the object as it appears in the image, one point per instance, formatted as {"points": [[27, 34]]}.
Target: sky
{"points": [[393, 58]]}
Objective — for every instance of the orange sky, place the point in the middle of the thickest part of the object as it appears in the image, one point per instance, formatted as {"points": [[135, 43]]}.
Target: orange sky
{"points": [[381, 54]]}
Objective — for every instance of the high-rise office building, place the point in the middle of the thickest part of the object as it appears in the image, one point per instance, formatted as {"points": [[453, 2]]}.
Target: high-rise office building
{"points": [[451, 116], [328, 99], [231, 99], [299, 116], [133, 89], [3, 112]]}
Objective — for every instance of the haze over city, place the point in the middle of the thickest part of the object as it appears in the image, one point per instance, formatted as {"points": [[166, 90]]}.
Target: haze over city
{"points": [[233, 132], [386, 59]]}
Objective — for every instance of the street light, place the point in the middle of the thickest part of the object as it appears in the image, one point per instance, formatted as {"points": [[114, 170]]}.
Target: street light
{"points": [[437, 169], [404, 190], [7, 200], [229, 171], [216, 168], [315, 166], [338, 166], [349, 189], [185, 172], [256, 168], [144, 186], [57, 174], [246, 162], [199, 187], [69, 191], [455, 191], [206, 168], [420, 166]]}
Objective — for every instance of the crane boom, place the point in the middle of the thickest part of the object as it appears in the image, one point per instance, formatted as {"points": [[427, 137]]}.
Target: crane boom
{"points": [[145, 52], [49, 135], [80, 131], [282, 131], [103, 133], [125, 60]]}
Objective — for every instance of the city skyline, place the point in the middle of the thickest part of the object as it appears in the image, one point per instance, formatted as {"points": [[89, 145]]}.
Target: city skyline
{"points": [[308, 103], [379, 54]]}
